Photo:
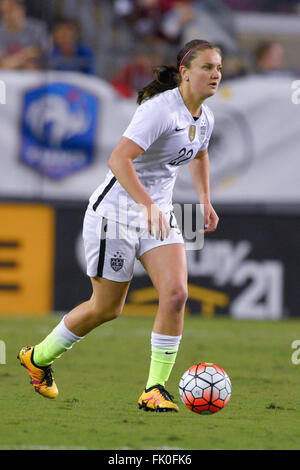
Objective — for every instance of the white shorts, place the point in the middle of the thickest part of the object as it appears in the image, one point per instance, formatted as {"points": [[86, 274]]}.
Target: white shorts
{"points": [[111, 248]]}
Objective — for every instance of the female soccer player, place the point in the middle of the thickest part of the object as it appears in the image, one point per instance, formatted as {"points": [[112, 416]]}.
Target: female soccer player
{"points": [[130, 215]]}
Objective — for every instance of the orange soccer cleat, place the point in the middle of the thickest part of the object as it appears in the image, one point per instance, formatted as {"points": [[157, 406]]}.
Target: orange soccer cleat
{"points": [[41, 377], [156, 398]]}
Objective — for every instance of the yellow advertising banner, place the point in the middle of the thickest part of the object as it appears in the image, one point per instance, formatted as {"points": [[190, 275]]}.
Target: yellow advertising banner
{"points": [[140, 302], [27, 244]]}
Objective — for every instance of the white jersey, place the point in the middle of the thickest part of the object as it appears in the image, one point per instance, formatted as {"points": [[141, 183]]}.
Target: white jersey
{"points": [[170, 137]]}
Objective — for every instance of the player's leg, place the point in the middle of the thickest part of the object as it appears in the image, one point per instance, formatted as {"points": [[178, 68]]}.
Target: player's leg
{"points": [[110, 277], [167, 268], [105, 304]]}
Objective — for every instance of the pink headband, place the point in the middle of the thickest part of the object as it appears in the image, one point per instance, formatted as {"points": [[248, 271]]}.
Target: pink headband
{"points": [[188, 52]]}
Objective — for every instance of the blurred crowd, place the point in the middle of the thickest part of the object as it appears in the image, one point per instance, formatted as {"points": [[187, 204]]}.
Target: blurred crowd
{"points": [[154, 20], [27, 44], [279, 6], [34, 36]]}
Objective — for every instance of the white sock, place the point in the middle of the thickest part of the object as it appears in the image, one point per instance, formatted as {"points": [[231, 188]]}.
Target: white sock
{"points": [[165, 341], [67, 338]]}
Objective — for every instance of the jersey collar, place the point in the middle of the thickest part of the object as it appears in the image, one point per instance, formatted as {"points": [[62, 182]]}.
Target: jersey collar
{"points": [[186, 112]]}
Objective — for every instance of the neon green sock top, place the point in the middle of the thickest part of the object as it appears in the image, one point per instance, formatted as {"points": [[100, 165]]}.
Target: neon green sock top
{"points": [[162, 362]]}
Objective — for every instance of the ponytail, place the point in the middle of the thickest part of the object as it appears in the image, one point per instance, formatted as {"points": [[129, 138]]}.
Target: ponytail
{"points": [[167, 77]]}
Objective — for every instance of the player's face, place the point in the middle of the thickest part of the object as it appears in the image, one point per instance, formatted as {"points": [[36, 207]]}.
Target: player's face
{"points": [[204, 73]]}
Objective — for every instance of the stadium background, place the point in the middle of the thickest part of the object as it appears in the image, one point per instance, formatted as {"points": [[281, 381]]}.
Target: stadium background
{"points": [[60, 117]]}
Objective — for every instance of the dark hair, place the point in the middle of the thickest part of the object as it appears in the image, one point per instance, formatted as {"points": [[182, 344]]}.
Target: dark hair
{"points": [[168, 77], [61, 21]]}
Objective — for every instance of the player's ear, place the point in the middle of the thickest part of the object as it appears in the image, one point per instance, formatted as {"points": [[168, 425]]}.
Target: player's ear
{"points": [[185, 74]]}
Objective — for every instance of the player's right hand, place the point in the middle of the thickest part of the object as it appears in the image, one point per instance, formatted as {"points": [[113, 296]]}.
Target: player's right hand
{"points": [[158, 226]]}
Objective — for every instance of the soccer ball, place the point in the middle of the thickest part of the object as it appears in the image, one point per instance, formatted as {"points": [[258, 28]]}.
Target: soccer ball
{"points": [[205, 388]]}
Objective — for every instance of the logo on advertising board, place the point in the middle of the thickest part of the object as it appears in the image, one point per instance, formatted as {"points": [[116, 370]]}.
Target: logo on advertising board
{"points": [[58, 129]]}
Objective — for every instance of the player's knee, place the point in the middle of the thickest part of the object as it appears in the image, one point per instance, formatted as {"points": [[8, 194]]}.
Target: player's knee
{"points": [[175, 298], [114, 312], [102, 315]]}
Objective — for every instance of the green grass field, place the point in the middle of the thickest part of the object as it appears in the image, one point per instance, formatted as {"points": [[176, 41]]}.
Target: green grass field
{"points": [[101, 378]]}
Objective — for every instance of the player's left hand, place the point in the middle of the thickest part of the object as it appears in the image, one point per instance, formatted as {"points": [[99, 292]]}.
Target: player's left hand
{"points": [[210, 218]]}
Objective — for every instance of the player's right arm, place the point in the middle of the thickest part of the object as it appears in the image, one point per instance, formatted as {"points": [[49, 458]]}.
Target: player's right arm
{"points": [[121, 164]]}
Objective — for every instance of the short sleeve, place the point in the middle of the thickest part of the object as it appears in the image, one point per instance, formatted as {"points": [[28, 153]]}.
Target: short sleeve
{"points": [[210, 127], [149, 122]]}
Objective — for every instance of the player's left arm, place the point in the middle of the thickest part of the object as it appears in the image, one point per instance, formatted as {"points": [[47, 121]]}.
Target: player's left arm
{"points": [[199, 168]]}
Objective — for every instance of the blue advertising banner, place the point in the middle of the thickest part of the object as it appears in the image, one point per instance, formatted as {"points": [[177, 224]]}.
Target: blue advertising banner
{"points": [[59, 123]]}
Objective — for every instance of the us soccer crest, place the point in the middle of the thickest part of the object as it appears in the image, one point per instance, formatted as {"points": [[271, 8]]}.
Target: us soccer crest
{"points": [[117, 262], [192, 132]]}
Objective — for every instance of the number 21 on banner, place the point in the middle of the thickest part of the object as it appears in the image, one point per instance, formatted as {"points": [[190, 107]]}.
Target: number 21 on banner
{"points": [[263, 297]]}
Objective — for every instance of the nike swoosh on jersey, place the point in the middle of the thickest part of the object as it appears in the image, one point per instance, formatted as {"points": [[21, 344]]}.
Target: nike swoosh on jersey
{"points": [[177, 130]]}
